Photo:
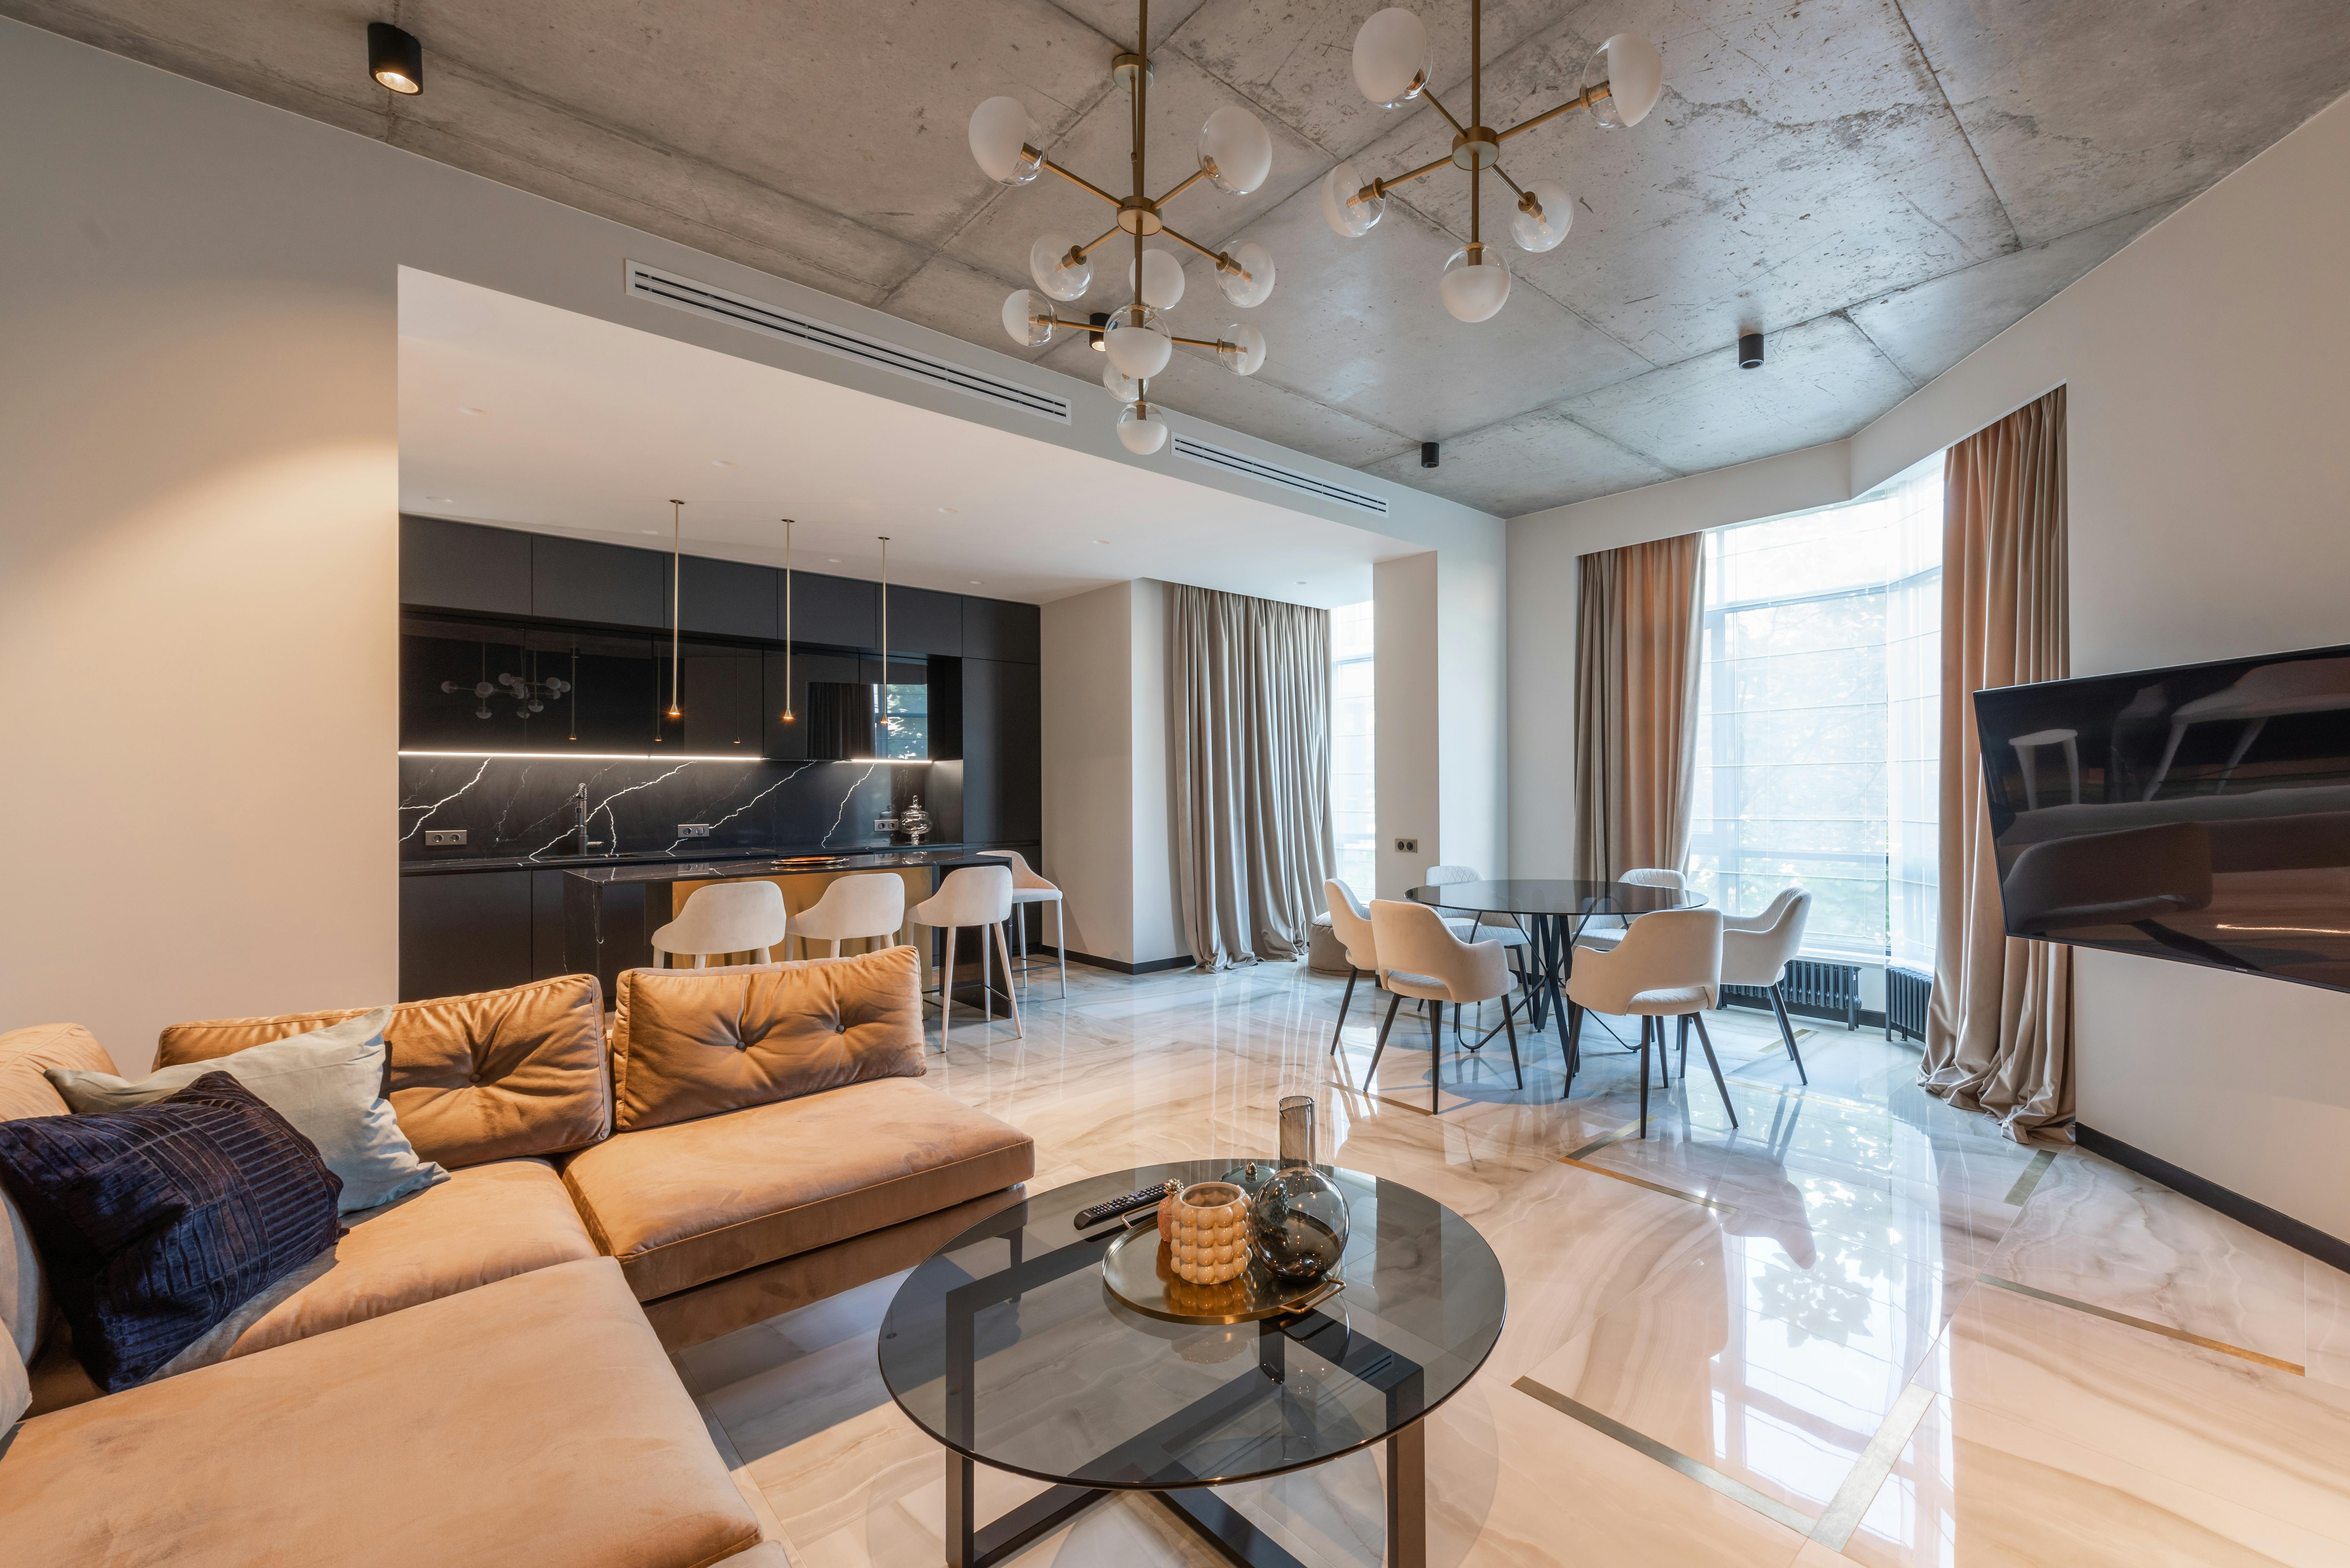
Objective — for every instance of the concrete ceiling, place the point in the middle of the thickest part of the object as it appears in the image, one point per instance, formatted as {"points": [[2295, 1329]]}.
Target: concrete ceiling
{"points": [[1881, 186], [520, 414]]}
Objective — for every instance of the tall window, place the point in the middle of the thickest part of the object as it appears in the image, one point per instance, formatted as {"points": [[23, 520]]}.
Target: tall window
{"points": [[1818, 717], [1353, 815]]}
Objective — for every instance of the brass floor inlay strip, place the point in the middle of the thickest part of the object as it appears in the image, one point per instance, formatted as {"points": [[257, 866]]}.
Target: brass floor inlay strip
{"points": [[1652, 1186], [2021, 1192], [2221, 1345], [1875, 1462], [1673, 1458], [1627, 1130]]}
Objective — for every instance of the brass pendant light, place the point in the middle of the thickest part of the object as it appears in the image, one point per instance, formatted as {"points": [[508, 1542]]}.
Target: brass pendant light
{"points": [[883, 691], [676, 532], [787, 620]]}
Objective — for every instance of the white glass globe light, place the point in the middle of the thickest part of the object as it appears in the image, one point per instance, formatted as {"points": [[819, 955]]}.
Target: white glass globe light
{"points": [[999, 138], [1028, 318], [1474, 293], [1391, 58], [1162, 279], [1348, 219], [1241, 348], [1544, 233], [1141, 429], [1139, 349], [1119, 385], [1047, 264], [1635, 74], [1254, 289], [1235, 150]]}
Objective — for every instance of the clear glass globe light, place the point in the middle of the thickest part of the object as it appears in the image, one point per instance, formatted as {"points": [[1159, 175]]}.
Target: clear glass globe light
{"points": [[1047, 264], [1141, 429], [1139, 349], [1635, 74], [1348, 219], [1162, 279], [1120, 385], [1000, 128], [1254, 289], [1028, 318], [1474, 293], [1242, 350], [1235, 150], [1391, 58], [1544, 233]]}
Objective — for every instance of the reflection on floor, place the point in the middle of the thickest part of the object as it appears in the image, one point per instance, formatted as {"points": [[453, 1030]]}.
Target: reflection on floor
{"points": [[1858, 1326]]}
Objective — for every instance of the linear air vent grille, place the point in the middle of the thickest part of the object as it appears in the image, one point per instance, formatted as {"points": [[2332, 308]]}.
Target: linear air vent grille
{"points": [[704, 299], [1287, 478]]}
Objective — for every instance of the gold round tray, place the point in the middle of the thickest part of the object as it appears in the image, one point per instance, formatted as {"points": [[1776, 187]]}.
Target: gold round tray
{"points": [[1135, 1270]]}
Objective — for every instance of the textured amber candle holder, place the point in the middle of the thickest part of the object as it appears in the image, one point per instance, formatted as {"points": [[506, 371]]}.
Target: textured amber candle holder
{"points": [[1208, 1235]]}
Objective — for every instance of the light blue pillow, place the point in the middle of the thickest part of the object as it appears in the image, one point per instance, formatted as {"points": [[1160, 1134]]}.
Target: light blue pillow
{"points": [[328, 1083]]}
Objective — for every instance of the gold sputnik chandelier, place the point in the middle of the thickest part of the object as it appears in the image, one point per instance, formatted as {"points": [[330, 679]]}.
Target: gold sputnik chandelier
{"points": [[1391, 65], [1235, 156]]}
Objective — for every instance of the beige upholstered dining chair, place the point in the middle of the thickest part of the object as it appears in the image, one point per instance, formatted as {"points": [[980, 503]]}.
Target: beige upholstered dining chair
{"points": [[1420, 957], [1351, 923], [1595, 934], [1757, 948], [1669, 965]]}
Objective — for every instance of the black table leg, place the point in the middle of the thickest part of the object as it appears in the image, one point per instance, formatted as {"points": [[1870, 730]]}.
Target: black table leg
{"points": [[1408, 1498]]}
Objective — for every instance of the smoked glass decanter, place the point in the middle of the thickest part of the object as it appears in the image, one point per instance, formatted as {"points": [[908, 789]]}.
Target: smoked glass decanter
{"points": [[1299, 1215]]}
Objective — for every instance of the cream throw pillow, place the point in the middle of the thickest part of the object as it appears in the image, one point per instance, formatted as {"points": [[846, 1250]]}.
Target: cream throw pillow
{"points": [[328, 1083]]}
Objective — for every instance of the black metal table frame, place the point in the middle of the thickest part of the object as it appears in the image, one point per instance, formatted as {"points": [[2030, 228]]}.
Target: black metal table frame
{"points": [[1148, 1457]]}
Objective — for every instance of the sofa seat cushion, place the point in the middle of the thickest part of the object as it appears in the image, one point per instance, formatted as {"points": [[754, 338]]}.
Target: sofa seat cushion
{"points": [[532, 1420], [698, 1200], [494, 1076]]}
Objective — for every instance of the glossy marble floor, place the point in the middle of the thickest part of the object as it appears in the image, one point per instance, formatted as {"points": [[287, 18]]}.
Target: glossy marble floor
{"points": [[1856, 1327]]}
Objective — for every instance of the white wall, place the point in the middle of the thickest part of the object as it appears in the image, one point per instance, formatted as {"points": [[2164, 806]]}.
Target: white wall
{"points": [[197, 479], [2204, 366], [1406, 701], [1089, 697]]}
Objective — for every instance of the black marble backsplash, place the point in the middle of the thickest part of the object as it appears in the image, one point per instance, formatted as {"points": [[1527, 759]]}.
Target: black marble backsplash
{"points": [[520, 809]]}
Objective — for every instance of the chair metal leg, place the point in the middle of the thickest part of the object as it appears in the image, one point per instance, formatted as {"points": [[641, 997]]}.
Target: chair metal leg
{"points": [[1645, 1032], [946, 990], [1011, 992], [1436, 1052], [1510, 1024], [1344, 1002], [1787, 1032], [1574, 1039], [987, 980], [1061, 941], [1371, 1074], [1706, 1041]]}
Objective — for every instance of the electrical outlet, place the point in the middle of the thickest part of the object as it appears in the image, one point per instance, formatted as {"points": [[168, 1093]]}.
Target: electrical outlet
{"points": [[885, 825], [693, 830], [1406, 846], [444, 838]]}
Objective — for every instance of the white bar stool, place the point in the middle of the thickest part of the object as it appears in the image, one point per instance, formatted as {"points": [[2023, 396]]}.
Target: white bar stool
{"points": [[725, 917], [1028, 888], [870, 904], [972, 896]]}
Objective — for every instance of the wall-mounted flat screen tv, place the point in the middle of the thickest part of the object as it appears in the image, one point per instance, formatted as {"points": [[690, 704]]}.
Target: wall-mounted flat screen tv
{"points": [[2201, 813]]}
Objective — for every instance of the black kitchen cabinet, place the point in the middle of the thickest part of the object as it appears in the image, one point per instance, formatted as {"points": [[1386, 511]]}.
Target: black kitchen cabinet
{"points": [[464, 567], [998, 629], [788, 742], [615, 687], [728, 598], [1003, 753], [579, 579], [723, 693], [465, 931], [841, 612], [921, 621]]}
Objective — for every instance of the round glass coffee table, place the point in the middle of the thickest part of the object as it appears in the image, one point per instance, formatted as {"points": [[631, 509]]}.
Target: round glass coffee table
{"points": [[1006, 1347]]}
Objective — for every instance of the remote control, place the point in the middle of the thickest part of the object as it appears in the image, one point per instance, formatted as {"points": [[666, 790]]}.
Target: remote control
{"points": [[1147, 1197]]}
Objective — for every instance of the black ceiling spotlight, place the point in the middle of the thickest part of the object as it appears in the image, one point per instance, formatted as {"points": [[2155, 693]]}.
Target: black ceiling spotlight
{"points": [[1097, 324], [395, 58], [1428, 454], [1750, 351]]}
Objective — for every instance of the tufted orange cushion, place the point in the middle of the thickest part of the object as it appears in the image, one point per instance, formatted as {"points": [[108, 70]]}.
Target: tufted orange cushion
{"points": [[494, 1075], [690, 1042]]}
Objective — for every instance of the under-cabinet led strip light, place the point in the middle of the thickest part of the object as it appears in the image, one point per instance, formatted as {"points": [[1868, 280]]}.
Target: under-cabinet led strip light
{"points": [[670, 757]]}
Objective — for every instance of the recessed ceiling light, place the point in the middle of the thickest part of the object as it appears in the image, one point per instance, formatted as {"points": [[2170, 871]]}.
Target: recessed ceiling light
{"points": [[948, 510], [1301, 582], [477, 413], [719, 462], [834, 559], [1101, 541], [444, 500], [647, 530], [977, 584]]}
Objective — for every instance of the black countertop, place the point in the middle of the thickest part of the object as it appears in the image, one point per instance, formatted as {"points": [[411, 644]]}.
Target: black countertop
{"points": [[660, 867]]}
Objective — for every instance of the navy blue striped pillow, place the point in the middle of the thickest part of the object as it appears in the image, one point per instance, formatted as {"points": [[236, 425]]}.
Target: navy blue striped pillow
{"points": [[154, 1223]]}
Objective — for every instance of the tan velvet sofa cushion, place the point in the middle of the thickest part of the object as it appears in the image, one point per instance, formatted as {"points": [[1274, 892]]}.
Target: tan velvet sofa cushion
{"points": [[532, 1420], [24, 1301], [698, 1200], [693, 1043], [494, 1075]]}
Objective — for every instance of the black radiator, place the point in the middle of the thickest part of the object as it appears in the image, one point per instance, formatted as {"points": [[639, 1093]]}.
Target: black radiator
{"points": [[1813, 986], [1907, 992]]}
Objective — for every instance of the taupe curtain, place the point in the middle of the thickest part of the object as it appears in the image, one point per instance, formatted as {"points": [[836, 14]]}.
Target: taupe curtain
{"points": [[1637, 621], [1248, 763], [1999, 1037]]}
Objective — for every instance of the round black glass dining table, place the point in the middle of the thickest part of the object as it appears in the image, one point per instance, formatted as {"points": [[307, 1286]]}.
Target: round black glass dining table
{"points": [[1553, 913]]}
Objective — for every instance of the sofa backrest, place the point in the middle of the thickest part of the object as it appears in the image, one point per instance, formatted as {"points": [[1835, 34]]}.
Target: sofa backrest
{"points": [[491, 1075], [690, 1042], [24, 1052]]}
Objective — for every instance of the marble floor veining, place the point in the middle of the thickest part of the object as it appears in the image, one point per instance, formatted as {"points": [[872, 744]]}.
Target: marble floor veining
{"points": [[1854, 1326]]}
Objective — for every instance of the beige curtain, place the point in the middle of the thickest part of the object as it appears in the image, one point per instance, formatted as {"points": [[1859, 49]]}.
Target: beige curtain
{"points": [[1999, 1038], [1637, 621], [1248, 763]]}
